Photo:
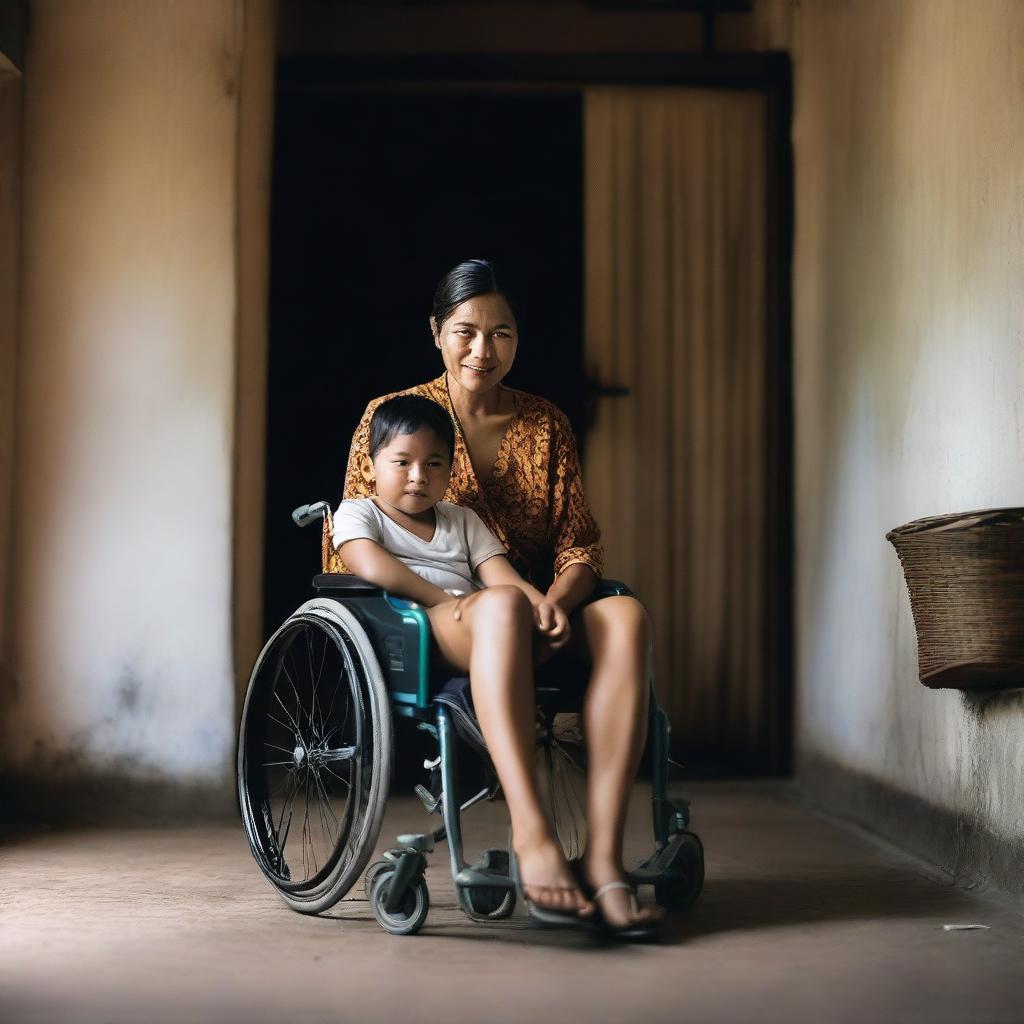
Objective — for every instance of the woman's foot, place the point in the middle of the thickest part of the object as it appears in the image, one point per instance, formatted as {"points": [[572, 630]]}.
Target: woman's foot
{"points": [[616, 899], [547, 881]]}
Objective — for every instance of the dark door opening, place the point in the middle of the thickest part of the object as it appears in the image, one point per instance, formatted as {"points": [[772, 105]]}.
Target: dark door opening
{"points": [[387, 174], [375, 197]]}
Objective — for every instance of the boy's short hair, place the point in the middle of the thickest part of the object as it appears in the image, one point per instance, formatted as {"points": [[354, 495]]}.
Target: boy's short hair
{"points": [[405, 414]]}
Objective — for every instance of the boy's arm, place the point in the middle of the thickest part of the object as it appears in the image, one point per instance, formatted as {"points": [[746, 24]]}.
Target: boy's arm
{"points": [[366, 558]]}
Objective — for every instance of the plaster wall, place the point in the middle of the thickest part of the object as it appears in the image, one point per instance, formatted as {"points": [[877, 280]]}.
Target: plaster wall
{"points": [[909, 366], [125, 447], [10, 213]]}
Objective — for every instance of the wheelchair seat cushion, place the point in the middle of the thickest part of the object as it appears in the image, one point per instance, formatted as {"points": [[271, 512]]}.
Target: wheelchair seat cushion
{"points": [[455, 696]]}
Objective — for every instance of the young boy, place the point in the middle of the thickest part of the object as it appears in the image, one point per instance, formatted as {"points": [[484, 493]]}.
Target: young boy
{"points": [[409, 541]]}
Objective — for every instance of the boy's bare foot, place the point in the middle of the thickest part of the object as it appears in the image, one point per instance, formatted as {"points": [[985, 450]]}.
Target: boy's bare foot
{"points": [[548, 881], [618, 905]]}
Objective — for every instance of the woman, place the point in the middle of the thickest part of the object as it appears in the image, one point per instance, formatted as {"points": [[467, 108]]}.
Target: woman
{"points": [[517, 467]]}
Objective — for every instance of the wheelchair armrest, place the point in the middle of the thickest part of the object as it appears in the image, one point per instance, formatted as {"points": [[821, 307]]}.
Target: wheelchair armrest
{"points": [[349, 584], [345, 582], [611, 588], [355, 586]]}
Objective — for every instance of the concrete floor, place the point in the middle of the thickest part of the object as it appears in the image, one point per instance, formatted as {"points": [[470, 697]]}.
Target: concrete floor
{"points": [[801, 920]]}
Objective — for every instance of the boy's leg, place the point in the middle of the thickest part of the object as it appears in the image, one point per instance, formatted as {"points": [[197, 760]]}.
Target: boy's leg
{"points": [[493, 641]]}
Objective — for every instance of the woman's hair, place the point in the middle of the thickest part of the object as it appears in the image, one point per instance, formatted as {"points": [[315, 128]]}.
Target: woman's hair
{"points": [[405, 414], [466, 281]]}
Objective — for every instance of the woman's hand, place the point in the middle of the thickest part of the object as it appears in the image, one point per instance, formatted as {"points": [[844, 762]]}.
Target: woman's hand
{"points": [[572, 586], [553, 623], [550, 617]]}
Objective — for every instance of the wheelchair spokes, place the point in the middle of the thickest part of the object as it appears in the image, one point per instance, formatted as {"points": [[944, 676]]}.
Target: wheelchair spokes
{"points": [[304, 763], [561, 768]]}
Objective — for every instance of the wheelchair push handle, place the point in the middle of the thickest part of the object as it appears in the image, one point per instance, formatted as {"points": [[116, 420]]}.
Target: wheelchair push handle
{"points": [[306, 514]]}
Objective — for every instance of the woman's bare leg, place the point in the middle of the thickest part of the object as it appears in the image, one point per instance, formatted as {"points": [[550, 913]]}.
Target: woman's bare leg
{"points": [[617, 635], [494, 641]]}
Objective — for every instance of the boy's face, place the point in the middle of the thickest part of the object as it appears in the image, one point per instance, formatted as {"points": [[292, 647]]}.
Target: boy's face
{"points": [[412, 471]]}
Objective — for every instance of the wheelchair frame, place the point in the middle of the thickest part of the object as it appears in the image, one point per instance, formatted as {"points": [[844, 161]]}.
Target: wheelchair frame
{"points": [[394, 651]]}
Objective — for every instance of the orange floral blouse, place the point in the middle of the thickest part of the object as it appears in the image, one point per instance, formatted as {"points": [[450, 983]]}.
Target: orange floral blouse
{"points": [[534, 502]]}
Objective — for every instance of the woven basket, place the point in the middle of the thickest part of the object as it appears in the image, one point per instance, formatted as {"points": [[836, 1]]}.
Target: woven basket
{"points": [[965, 574]]}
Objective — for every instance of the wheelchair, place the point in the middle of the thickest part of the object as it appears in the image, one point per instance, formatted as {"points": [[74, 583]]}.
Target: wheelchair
{"points": [[315, 752]]}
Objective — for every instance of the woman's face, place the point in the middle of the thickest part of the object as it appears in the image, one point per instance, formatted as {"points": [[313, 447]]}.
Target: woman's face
{"points": [[478, 342]]}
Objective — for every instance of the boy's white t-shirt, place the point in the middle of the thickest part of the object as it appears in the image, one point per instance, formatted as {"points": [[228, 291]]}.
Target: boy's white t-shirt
{"points": [[449, 559]]}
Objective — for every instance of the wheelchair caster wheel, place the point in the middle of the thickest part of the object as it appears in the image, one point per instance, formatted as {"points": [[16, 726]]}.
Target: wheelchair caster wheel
{"points": [[685, 875], [372, 872], [406, 919]]}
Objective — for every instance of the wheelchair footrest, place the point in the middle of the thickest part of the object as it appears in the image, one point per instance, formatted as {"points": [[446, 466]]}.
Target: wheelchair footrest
{"points": [[661, 864], [486, 891], [475, 876], [492, 869]]}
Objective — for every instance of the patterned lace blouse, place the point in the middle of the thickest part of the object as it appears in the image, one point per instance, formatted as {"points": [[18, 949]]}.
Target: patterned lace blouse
{"points": [[533, 503]]}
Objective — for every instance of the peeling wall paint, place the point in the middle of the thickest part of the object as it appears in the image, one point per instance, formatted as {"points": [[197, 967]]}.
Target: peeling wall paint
{"points": [[909, 373]]}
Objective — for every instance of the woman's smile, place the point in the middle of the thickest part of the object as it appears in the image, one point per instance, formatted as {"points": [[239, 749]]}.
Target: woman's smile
{"points": [[478, 341]]}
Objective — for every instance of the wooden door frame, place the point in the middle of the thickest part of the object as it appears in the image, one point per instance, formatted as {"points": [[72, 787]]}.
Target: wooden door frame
{"points": [[769, 73]]}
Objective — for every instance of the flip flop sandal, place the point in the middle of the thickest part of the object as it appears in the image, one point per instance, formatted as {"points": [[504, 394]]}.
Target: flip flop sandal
{"points": [[627, 932], [545, 916]]}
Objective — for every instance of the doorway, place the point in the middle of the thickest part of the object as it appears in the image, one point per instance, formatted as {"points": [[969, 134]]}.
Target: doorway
{"points": [[395, 159], [375, 197]]}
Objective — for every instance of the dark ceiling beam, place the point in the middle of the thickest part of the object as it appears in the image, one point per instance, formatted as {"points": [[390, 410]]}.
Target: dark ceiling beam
{"points": [[326, 73], [690, 6]]}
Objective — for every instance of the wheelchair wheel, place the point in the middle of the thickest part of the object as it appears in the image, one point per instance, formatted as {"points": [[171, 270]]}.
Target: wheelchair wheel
{"points": [[561, 771], [314, 756], [686, 875], [406, 919]]}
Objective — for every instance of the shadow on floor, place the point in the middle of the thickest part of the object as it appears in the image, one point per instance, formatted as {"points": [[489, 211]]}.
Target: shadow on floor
{"points": [[726, 905], [739, 904]]}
